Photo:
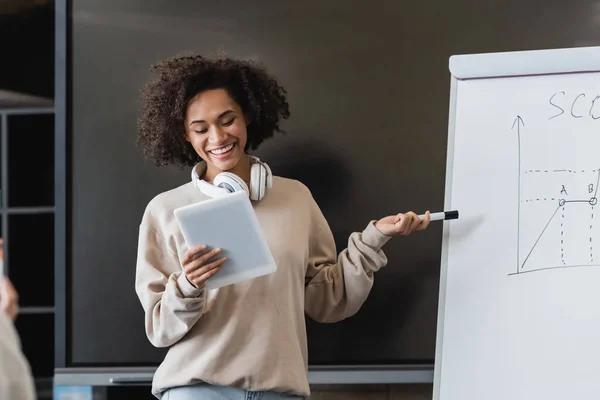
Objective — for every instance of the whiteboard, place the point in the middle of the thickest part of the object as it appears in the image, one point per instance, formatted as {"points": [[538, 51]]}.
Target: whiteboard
{"points": [[519, 311]]}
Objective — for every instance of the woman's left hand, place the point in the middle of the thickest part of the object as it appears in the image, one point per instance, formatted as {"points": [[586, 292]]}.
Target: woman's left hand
{"points": [[402, 224]]}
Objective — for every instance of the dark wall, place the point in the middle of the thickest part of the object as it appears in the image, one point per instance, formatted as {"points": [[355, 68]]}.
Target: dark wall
{"points": [[368, 85]]}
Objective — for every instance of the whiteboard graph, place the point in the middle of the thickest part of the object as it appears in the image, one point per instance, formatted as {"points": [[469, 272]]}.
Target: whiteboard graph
{"points": [[558, 215]]}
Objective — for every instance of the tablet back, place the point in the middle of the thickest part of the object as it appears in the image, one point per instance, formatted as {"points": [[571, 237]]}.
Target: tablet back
{"points": [[229, 223]]}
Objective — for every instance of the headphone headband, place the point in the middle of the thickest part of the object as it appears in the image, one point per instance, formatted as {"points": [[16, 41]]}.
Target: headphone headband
{"points": [[261, 179]]}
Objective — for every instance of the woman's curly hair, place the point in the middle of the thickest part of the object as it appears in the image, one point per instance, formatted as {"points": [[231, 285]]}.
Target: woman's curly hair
{"points": [[164, 101]]}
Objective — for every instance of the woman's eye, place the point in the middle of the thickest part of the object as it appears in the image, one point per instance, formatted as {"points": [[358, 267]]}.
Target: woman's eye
{"points": [[227, 123], [202, 131]]}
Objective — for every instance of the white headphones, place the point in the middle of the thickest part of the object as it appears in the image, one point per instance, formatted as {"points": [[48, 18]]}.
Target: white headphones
{"points": [[225, 183]]}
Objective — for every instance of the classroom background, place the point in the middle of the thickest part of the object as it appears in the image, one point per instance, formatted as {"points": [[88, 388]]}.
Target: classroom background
{"points": [[369, 90]]}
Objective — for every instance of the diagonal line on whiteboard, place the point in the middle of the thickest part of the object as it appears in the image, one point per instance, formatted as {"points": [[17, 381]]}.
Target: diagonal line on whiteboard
{"points": [[541, 234]]}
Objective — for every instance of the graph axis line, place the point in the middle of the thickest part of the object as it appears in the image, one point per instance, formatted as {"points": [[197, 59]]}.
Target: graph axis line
{"points": [[556, 267], [518, 121]]}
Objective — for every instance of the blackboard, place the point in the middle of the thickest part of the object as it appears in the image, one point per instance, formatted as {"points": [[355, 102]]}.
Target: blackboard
{"points": [[368, 87]]}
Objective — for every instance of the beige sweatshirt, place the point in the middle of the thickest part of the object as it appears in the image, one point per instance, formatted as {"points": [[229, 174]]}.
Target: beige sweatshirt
{"points": [[16, 381], [250, 335]]}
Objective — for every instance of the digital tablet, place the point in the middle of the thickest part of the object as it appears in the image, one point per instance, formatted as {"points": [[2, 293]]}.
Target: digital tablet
{"points": [[229, 223]]}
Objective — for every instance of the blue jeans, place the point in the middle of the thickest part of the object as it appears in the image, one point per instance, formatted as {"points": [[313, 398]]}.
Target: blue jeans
{"points": [[211, 392]]}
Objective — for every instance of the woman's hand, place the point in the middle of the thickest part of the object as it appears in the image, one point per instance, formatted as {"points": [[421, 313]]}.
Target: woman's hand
{"points": [[199, 267], [9, 299], [402, 224]]}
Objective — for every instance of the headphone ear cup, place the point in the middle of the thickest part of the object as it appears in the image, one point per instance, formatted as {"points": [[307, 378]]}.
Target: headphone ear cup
{"points": [[257, 181], [263, 180], [230, 182], [269, 175]]}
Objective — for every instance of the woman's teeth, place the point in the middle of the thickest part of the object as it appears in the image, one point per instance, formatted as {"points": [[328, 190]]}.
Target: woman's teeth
{"points": [[222, 150]]}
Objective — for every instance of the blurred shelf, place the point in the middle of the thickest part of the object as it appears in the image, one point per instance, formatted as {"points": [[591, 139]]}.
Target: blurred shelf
{"points": [[29, 210], [36, 310], [15, 100]]}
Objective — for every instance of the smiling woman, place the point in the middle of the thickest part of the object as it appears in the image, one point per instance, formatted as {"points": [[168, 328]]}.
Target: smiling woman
{"points": [[248, 336]]}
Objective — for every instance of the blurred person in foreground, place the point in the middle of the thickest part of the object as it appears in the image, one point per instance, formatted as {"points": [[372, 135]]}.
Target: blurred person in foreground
{"points": [[16, 380]]}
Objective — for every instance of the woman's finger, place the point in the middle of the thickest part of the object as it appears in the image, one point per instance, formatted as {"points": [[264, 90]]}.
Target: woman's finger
{"points": [[199, 262], [203, 260], [191, 254], [414, 221], [205, 268], [207, 276], [202, 274], [404, 221], [425, 222], [410, 219], [209, 255], [398, 218]]}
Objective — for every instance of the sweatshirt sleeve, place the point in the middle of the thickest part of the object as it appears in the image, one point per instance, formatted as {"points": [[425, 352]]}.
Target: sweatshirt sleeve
{"points": [[338, 284], [172, 305]]}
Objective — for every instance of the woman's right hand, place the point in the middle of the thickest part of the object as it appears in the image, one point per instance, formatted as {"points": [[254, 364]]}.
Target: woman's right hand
{"points": [[198, 267]]}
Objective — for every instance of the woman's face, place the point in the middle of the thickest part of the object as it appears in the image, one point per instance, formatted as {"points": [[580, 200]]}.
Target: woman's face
{"points": [[216, 128]]}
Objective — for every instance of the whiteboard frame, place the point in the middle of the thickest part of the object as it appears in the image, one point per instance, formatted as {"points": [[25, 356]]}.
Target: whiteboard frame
{"points": [[445, 236], [491, 66], [525, 63]]}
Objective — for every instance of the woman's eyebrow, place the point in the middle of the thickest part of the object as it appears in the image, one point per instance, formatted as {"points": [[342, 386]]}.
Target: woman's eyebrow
{"points": [[220, 116]]}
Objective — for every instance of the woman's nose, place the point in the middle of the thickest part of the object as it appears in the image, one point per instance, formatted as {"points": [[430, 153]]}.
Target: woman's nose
{"points": [[217, 135]]}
